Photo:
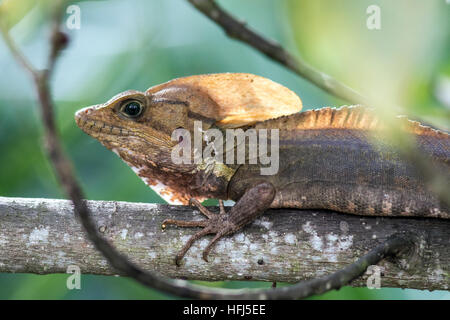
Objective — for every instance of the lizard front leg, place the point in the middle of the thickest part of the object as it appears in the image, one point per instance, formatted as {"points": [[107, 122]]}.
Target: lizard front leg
{"points": [[254, 201]]}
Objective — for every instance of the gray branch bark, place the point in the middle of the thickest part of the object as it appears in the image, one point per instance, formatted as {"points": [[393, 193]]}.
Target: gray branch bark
{"points": [[42, 236]]}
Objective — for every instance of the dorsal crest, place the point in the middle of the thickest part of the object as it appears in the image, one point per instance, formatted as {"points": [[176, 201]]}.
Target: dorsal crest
{"points": [[346, 117]]}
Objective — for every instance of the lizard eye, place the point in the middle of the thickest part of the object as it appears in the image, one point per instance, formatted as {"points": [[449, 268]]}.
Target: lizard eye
{"points": [[132, 109]]}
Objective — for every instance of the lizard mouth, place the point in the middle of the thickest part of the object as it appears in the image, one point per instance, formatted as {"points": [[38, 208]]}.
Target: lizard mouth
{"points": [[92, 126]]}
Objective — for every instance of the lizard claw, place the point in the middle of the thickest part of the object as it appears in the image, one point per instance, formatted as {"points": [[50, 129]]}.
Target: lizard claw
{"points": [[222, 207], [189, 243], [217, 224], [211, 244]]}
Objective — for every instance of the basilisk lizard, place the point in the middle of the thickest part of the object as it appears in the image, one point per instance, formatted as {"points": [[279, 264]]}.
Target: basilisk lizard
{"points": [[329, 158]]}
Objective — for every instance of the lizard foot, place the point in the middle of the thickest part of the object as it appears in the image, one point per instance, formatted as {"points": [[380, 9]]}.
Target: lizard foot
{"points": [[217, 224]]}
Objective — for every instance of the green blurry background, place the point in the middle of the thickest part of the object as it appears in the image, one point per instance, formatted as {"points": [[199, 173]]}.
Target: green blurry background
{"points": [[140, 43]]}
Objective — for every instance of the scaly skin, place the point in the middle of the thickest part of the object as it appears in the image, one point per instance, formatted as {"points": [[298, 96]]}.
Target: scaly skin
{"points": [[340, 170], [329, 158]]}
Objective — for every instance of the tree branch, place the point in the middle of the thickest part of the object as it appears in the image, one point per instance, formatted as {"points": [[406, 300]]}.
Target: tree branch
{"points": [[42, 236], [240, 31]]}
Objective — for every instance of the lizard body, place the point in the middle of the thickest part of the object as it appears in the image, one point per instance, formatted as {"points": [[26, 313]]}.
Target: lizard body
{"points": [[336, 159], [330, 158]]}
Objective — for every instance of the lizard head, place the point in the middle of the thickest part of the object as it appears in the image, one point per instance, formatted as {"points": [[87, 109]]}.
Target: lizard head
{"points": [[138, 126]]}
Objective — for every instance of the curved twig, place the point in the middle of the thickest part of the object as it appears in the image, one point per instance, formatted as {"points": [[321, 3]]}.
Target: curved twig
{"points": [[240, 31], [63, 169]]}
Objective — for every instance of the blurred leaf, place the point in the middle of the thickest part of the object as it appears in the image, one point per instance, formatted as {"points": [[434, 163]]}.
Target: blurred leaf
{"points": [[12, 11]]}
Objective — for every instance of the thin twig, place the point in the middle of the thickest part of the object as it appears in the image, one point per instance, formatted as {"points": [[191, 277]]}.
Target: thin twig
{"points": [[64, 172], [21, 59], [240, 31]]}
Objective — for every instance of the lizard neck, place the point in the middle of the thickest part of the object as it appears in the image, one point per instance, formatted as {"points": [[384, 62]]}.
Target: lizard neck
{"points": [[177, 184]]}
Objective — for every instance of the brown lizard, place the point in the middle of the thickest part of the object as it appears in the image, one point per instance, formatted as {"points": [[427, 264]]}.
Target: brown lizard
{"points": [[329, 158]]}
